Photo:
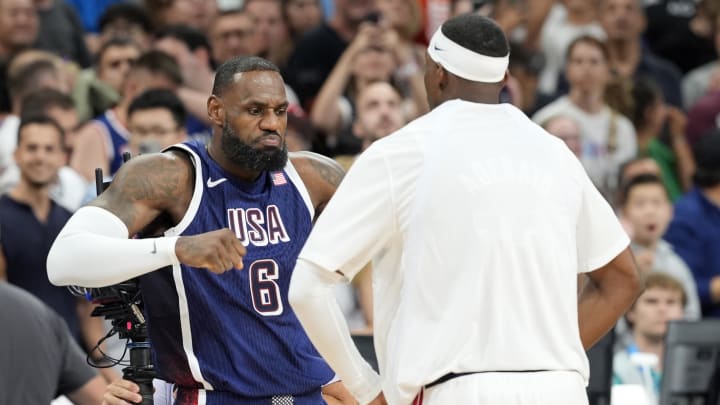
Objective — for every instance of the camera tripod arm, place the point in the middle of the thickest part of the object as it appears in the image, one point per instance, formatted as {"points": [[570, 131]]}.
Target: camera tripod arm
{"points": [[93, 250]]}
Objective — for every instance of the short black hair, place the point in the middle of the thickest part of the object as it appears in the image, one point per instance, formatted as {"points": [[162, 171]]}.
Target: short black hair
{"points": [[26, 79], [129, 12], [158, 62], [40, 119], [39, 101], [225, 74], [478, 34], [159, 98], [119, 42], [641, 180], [189, 36]]}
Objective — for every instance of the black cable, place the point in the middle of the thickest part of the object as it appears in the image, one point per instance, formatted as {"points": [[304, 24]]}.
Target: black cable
{"points": [[106, 357]]}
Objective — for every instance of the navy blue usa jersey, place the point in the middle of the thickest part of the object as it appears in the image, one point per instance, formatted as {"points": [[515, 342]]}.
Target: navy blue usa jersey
{"points": [[233, 338]]}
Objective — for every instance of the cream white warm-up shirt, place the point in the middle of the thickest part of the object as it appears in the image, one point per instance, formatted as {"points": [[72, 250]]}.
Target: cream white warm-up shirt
{"points": [[477, 222]]}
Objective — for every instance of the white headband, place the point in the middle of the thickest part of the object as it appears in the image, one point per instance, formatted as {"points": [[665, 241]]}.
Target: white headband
{"points": [[465, 63]]}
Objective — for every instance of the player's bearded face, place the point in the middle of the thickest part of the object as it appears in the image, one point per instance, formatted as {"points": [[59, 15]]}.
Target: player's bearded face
{"points": [[252, 156]]}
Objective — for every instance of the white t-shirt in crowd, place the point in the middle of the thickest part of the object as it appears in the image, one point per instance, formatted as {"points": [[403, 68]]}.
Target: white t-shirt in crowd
{"points": [[601, 165], [478, 222]]}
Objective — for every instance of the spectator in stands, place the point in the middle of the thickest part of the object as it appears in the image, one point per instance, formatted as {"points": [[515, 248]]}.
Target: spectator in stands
{"points": [[316, 54], [624, 22], [640, 362], [57, 105], [98, 89], [648, 210], [567, 129], [61, 32], [628, 170], [681, 31], [301, 16], [18, 26], [156, 120], [272, 30], [694, 231], [609, 137], [25, 78], [704, 79], [660, 132], [18, 31], [30, 220], [232, 34], [567, 20], [379, 112], [69, 189], [101, 143], [40, 357]]}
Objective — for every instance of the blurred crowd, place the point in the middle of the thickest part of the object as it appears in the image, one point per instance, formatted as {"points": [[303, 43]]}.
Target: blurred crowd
{"points": [[632, 87]]}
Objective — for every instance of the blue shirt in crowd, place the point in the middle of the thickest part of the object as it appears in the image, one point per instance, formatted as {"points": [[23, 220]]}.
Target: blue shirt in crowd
{"points": [[694, 234]]}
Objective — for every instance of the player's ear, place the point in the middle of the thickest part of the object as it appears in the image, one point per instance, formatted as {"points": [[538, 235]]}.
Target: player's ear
{"points": [[443, 77], [216, 110]]}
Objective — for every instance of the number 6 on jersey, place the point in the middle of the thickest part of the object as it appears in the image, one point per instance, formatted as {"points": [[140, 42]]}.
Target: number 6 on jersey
{"points": [[263, 288]]}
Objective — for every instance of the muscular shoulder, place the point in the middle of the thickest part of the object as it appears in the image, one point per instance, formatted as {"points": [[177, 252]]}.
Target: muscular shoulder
{"points": [[158, 182], [320, 174]]}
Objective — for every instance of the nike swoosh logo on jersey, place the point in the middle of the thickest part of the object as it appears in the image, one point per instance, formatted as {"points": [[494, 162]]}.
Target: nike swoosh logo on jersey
{"points": [[212, 183], [437, 49], [154, 247]]}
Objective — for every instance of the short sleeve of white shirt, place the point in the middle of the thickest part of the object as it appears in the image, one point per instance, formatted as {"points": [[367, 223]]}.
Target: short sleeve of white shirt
{"points": [[358, 220], [600, 236]]}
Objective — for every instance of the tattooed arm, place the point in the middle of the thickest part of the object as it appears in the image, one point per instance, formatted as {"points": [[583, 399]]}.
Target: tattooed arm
{"points": [[93, 249], [321, 176], [146, 186]]}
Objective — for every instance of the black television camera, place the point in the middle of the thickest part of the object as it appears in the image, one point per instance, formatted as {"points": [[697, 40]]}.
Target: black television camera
{"points": [[121, 304]]}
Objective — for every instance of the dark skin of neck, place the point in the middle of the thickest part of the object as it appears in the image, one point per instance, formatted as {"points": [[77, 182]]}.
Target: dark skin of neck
{"points": [[484, 93]]}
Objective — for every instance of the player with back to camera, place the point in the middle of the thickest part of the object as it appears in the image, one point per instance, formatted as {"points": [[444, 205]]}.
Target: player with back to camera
{"points": [[478, 223]]}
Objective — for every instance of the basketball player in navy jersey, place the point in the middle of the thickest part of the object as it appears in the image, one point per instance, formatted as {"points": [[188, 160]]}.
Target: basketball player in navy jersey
{"points": [[234, 215]]}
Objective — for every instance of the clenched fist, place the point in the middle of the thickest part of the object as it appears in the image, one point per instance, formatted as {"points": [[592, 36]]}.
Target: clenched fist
{"points": [[217, 251]]}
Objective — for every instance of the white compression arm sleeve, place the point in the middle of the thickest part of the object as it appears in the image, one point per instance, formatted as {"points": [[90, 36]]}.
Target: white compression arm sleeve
{"points": [[312, 296], [93, 250]]}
